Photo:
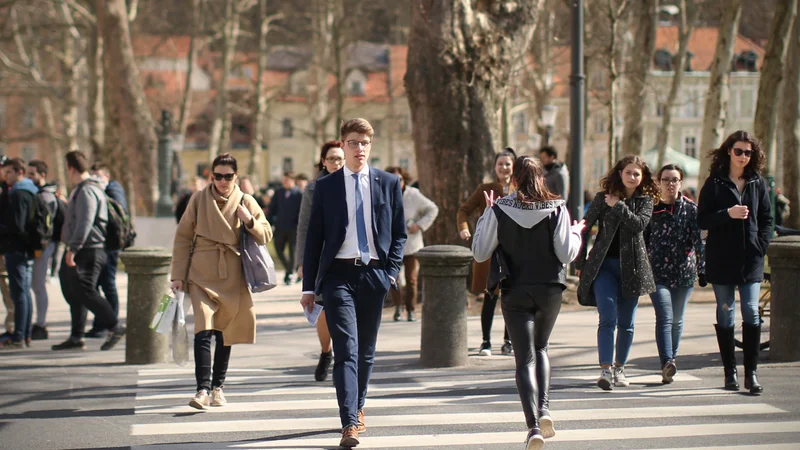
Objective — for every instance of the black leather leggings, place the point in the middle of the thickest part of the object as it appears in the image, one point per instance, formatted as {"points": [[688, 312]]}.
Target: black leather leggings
{"points": [[487, 316], [530, 313], [202, 360]]}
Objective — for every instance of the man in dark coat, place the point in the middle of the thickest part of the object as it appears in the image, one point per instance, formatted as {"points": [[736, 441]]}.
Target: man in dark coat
{"points": [[284, 214]]}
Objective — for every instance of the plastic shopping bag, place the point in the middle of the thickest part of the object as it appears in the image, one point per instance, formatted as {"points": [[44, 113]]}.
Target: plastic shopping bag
{"points": [[165, 315], [180, 336]]}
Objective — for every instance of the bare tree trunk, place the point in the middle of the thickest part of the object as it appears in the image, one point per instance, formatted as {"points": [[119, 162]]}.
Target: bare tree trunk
{"points": [[644, 47], [339, 61], [460, 57], [259, 120], [685, 29], [138, 130], [71, 76], [322, 19], [770, 77], [191, 61], [790, 123], [220, 129], [96, 110], [615, 14], [716, 108]]}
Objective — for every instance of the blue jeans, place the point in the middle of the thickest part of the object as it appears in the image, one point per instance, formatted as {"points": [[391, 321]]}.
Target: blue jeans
{"points": [[669, 304], [353, 301], [20, 270], [726, 303], [616, 312]]}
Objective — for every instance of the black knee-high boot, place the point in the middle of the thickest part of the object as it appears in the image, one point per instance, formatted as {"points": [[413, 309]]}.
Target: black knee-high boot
{"points": [[751, 344], [728, 356], [222, 355]]}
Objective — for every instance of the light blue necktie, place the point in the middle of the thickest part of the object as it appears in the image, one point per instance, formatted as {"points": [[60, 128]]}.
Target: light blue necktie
{"points": [[361, 227]]}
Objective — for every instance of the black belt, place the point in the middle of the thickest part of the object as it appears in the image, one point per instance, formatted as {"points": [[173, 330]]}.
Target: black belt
{"points": [[357, 262]]}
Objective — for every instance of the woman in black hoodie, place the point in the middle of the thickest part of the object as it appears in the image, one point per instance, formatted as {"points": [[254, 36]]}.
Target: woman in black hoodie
{"points": [[735, 209], [530, 230]]}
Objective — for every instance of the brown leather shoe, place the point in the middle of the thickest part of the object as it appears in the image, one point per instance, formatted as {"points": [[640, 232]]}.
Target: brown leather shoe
{"points": [[362, 427], [349, 436]]}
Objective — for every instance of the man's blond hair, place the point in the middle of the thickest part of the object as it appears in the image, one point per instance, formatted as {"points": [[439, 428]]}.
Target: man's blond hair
{"points": [[357, 125]]}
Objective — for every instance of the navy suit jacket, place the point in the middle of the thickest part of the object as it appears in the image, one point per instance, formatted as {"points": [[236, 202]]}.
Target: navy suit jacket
{"points": [[328, 225]]}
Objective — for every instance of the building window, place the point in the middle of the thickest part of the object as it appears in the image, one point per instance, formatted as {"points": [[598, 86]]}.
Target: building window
{"points": [[660, 109], [287, 129], [599, 124], [691, 99], [403, 124], [376, 127], [404, 163], [519, 123], [356, 88], [288, 164], [375, 162], [690, 145], [28, 152], [29, 117]]}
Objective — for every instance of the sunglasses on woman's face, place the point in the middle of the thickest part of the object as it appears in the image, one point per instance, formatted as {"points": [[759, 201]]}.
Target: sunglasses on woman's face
{"points": [[225, 176], [740, 152]]}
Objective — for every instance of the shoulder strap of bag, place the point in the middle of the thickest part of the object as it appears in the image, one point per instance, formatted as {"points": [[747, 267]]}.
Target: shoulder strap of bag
{"points": [[191, 250]]}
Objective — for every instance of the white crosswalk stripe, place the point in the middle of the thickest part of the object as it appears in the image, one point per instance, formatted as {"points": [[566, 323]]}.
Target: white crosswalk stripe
{"points": [[436, 409]]}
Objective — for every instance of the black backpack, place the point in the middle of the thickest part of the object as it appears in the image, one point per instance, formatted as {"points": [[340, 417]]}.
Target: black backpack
{"points": [[58, 218], [119, 231], [40, 224]]}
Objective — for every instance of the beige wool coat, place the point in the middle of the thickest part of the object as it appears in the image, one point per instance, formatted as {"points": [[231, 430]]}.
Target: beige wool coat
{"points": [[216, 284]]}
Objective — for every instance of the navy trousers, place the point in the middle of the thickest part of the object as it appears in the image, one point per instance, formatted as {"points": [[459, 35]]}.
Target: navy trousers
{"points": [[353, 299]]}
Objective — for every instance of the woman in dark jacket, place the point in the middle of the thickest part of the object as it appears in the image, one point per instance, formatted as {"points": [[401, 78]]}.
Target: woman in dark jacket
{"points": [[531, 229], [331, 159], [735, 209], [503, 169], [676, 254], [617, 271]]}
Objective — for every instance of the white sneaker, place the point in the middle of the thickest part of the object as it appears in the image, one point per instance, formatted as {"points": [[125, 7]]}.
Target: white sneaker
{"points": [[620, 380], [217, 397], [606, 380], [200, 400]]}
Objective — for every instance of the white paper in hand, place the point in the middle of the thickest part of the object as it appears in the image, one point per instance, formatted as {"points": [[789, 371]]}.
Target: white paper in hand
{"points": [[313, 316]]}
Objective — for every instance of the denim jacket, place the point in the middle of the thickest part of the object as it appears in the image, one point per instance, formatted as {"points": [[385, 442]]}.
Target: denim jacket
{"points": [[677, 253]]}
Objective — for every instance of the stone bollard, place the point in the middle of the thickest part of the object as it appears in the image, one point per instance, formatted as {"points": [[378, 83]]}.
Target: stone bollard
{"points": [[784, 314], [443, 273], [148, 271]]}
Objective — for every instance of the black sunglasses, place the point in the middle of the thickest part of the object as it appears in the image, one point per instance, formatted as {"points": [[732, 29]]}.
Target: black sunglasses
{"points": [[226, 176], [740, 152]]}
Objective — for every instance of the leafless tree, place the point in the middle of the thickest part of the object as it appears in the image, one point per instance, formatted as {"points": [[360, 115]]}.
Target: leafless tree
{"points": [[460, 58], [790, 124], [716, 107], [771, 75]]}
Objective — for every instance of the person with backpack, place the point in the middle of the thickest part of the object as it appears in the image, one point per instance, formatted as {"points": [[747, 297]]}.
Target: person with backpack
{"points": [[37, 172], [17, 250], [6, 292], [108, 277], [84, 234]]}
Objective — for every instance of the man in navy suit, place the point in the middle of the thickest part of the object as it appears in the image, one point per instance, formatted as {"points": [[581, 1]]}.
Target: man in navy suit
{"points": [[354, 251]]}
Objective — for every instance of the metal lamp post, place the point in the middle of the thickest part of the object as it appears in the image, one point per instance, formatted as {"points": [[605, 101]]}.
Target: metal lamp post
{"points": [[164, 203], [576, 102], [549, 114]]}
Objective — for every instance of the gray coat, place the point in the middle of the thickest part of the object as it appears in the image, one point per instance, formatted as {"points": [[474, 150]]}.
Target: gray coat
{"points": [[557, 179], [302, 222], [86, 218], [631, 216]]}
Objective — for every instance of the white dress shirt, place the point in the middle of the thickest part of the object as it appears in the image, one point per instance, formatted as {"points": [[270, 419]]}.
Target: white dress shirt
{"points": [[349, 248]]}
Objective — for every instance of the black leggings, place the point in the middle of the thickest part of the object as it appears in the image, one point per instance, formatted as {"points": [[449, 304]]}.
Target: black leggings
{"points": [[530, 313], [487, 317], [202, 360]]}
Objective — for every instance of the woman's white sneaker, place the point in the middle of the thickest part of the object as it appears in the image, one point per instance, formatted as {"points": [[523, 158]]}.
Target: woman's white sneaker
{"points": [[547, 426], [217, 397], [606, 380], [620, 380], [200, 400]]}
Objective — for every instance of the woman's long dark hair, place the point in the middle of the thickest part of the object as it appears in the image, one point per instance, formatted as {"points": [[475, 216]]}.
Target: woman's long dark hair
{"points": [[324, 153], [612, 182], [721, 160], [528, 177]]}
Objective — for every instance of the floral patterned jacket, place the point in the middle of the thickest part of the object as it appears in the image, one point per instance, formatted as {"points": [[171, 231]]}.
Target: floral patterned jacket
{"points": [[677, 253]]}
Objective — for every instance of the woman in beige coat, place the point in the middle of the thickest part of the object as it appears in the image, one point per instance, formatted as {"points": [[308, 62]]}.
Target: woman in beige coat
{"points": [[223, 307]]}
